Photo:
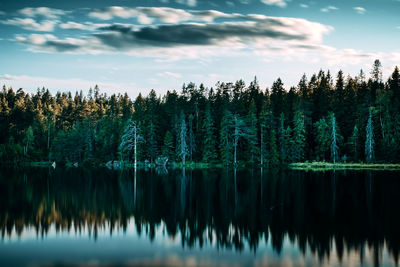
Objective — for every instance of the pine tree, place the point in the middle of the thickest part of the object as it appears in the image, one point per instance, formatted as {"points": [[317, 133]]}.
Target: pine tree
{"points": [[299, 137], [191, 138], [354, 142], [334, 139], [264, 128], [182, 139], [369, 140], [28, 140], [168, 147], [283, 139], [209, 153], [322, 138], [273, 156], [130, 139], [225, 137], [239, 132], [252, 138]]}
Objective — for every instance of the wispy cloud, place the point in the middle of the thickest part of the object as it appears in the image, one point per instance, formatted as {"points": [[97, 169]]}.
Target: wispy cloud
{"points": [[191, 3], [46, 12], [360, 10], [304, 6], [88, 26], [170, 74], [329, 9], [280, 3], [146, 15], [31, 24]]}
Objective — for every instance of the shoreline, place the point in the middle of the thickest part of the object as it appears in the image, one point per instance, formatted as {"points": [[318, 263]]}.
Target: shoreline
{"points": [[300, 166]]}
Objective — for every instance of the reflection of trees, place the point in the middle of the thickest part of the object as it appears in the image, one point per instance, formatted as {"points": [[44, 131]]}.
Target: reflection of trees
{"points": [[231, 210]]}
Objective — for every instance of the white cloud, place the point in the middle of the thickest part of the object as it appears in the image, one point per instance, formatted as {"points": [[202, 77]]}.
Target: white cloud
{"points": [[280, 3], [360, 10], [329, 8], [190, 40], [88, 26], [170, 74], [31, 24], [50, 13], [146, 15], [304, 6], [191, 3]]}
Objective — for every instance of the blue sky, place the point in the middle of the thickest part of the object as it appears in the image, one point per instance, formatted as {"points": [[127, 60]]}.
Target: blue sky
{"points": [[134, 46]]}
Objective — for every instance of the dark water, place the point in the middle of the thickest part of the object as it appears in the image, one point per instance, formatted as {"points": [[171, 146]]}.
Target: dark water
{"points": [[214, 217]]}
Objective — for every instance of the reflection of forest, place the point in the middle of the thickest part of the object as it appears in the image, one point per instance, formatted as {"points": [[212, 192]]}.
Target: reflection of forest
{"points": [[315, 211]]}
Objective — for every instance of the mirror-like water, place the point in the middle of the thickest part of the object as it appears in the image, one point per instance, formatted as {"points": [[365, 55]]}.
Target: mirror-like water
{"points": [[213, 217]]}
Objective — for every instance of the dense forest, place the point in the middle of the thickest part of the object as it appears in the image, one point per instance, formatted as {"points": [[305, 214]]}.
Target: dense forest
{"points": [[324, 118]]}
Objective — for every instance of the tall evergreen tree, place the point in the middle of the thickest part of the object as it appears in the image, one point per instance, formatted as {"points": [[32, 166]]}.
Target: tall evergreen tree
{"points": [[299, 137], [369, 140], [252, 137], [182, 139], [168, 146], [209, 153], [334, 139], [225, 137]]}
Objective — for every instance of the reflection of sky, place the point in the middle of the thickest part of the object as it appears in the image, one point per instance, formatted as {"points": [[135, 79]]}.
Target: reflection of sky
{"points": [[130, 248], [348, 35]]}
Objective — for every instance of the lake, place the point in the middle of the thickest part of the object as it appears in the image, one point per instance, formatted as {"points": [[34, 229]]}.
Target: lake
{"points": [[218, 217]]}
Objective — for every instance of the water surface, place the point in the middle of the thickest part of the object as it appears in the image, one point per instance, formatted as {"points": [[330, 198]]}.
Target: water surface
{"points": [[213, 217]]}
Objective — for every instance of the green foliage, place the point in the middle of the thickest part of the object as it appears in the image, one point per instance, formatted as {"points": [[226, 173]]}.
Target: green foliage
{"points": [[267, 126], [225, 143], [209, 152], [299, 137], [322, 138]]}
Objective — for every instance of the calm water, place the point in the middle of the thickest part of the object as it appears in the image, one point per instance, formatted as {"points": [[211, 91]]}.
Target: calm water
{"points": [[215, 217]]}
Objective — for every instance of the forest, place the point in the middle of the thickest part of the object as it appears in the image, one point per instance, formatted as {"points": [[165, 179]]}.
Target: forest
{"points": [[326, 117]]}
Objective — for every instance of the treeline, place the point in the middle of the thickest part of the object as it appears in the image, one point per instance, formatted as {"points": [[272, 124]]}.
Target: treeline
{"points": [[325, 117]]}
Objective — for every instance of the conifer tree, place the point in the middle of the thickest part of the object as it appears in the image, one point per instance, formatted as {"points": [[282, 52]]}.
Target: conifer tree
{"points": [[334, 139], [369, 140], [182, 139], [28, 140], [273, 155], [299, 137], [168, 147], [264, 128], [354, 142], [191, 138], [322, 138], [225, 147], [252, 138], [130, 139], [239, 132], [209, 153]]}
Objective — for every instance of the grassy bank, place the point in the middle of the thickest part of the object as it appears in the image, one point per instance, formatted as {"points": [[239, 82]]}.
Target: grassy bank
{"points": [[326, 166]]}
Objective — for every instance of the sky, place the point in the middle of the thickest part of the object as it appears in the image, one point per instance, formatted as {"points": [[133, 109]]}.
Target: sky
{"points": [[134, 45]]}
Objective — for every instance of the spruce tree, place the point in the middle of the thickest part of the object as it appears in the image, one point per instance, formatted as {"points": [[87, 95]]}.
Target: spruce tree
{"points": [[182, 139], [239, 131], [273, 155], [369, 140], [354, 142], [334, 139], [225, 147], [252, 138], [209, 153], [322, 138], [299, 137], [168, 146]]}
